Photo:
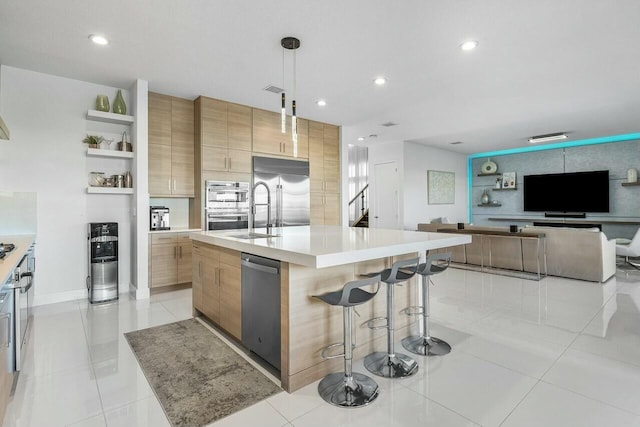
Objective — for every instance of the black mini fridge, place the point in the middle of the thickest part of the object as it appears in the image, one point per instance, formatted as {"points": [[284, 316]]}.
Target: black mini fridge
{"points": [[102, 281]]}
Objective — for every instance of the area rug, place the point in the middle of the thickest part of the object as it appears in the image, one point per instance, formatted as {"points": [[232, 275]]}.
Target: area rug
{"points": [[195, 375]]}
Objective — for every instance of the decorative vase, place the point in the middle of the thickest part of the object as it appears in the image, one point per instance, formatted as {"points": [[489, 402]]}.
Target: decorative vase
{"points": [[102, 103], [498, 184], [632, 175], [485, 198], [119, 107]]}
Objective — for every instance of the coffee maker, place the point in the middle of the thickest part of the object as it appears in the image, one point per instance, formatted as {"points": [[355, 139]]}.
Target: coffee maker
{"points": [[159, 218]]}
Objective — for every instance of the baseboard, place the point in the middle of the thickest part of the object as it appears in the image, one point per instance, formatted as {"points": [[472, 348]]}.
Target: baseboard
{"points": [[59, 297], [80, 294]]}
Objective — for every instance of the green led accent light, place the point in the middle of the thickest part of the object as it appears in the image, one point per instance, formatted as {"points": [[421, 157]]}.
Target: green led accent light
{"points": [[532, 148]]}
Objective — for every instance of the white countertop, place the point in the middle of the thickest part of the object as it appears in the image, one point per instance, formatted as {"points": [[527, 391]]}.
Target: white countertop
{"points": [[321, 246], [12, 259], [175, 230]]}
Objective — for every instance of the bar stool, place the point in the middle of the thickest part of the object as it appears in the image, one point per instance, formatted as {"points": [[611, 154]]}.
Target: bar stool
{"points": [[425, 344], [390, 364], [348, 388]]}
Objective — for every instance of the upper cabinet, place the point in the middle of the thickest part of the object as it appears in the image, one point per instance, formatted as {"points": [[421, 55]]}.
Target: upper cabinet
{"points": [[224, 134], [324, 171], [269, 139], [171, 146]]}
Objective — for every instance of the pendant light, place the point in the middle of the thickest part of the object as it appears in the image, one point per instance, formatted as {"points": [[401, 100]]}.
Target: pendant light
{"points": [[292, 43], [283, 108]]}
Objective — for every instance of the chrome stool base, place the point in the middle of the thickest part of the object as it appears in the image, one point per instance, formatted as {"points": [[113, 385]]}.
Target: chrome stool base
{"points": [[397, 365], [338, 390], [426, 346]]}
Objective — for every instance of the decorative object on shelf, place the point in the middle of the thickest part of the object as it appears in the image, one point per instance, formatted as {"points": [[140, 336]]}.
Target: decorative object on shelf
{"points": [[102, 103], [441, 187], [498, 183], [291, 43], [460, 226], [513, 228], [108, 141], [96, 179], [94, 141], [509, 180], [118, 181], [124, 145], [128, 180], [632, 175], [488, 167], [119, 107], [484, 199], [495, 202]]}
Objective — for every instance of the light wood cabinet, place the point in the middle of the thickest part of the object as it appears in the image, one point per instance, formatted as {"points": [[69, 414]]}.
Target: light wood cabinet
{"points": [[269, 139], [171, 146], [221, 286], [197, 274], [170, 259], [324, 171], [225, 134]]}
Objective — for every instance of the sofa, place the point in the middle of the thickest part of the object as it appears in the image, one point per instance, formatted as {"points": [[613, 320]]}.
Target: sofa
{"points": [[576, 253]]}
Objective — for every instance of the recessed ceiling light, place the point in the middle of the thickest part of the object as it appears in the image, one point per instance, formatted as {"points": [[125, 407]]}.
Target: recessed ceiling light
{"points": [[380, 81], [548, 137], [469, 45], [100, 40], [321, 102], [361, 138]]}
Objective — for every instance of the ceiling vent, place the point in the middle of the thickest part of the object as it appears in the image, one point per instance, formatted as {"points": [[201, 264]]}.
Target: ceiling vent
{"points": [[456, 143], [389, 124], [274, 89]]}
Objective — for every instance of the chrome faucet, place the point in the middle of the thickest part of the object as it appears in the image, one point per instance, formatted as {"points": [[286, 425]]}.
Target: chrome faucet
{"points": [[268, 204]]}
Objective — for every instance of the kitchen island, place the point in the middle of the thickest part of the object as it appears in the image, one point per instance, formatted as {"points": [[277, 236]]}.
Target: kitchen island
{"points": [[314, 260]]}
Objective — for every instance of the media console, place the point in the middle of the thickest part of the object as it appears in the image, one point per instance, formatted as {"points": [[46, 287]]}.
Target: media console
{"points": [[567, 224]]}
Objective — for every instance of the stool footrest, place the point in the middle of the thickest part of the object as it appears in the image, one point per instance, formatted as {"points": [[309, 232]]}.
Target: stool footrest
{"points": [[414, 310], [371, 323], [328, 348]]}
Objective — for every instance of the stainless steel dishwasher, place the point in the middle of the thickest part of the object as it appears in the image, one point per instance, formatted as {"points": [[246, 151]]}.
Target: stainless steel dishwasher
{"points": [[261, 307]]}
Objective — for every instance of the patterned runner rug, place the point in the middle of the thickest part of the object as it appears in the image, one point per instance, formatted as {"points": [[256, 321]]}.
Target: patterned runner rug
{"points": [[196, 377]]}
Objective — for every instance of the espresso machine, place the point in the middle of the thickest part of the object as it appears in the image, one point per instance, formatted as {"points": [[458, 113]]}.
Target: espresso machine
{"points": [[159, 218]]}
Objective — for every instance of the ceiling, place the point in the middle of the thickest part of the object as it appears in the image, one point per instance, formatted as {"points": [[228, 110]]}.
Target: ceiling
{"points": [[541, 66]]}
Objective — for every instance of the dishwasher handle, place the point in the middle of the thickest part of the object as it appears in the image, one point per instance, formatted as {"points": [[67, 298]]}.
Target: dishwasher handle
{"points": [[259, 267]]}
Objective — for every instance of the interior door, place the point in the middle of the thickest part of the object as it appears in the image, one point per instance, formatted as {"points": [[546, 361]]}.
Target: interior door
{"points": [[386, 205]]}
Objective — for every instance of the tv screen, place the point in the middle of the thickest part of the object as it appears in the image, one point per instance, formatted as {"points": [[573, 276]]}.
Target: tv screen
{"points": [[567, 192]]}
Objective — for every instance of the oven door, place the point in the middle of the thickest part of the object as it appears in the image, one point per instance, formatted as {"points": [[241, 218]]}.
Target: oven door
{"points": [[229, 196], [227, 221]]}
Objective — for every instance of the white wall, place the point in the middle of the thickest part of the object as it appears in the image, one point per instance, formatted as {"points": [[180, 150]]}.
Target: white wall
{"points": [[46, 116], [418, 159], [18, 213]]}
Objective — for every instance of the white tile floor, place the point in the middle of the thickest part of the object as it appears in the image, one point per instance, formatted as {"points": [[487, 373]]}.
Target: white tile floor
{"points": [[552, 353]]}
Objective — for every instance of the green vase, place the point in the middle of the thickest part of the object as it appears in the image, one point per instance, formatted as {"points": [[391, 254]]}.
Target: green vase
{"points": [[119, 107], [102, 103]]}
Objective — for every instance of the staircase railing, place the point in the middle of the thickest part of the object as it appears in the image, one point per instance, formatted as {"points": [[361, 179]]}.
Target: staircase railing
{"points": [[358, 205]]}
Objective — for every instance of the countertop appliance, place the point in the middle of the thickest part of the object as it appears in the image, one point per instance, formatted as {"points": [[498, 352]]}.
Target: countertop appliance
{"points": [[227, 205], [159, 218], [261, 307], [102, 281], [288, 181]]}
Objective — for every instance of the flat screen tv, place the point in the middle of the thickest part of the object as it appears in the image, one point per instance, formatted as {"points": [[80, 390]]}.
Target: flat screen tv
{"points": [[567, 192]]}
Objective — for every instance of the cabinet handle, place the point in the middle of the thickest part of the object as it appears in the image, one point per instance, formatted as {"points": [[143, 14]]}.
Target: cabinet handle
{"points": [[225, 162], [229, 163], [174, 185], [180, 252], [199, 268], [169, 185], [284, 147], [218, 276], [174, 252]]}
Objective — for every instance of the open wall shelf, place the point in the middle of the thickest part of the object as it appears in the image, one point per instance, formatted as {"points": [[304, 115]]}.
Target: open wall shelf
{"points": [[630, 184], [109, 190], [105, 117], [113, 154]]}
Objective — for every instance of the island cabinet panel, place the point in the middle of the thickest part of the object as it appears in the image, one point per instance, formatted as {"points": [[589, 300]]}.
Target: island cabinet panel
{"points": [[196, 283], [313, 325], [221, 286]]}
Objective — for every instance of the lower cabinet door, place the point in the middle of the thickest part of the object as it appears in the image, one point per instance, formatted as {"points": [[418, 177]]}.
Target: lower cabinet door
{"points": [[211, 290], [163, 265], [184, 262], [196, 279]]}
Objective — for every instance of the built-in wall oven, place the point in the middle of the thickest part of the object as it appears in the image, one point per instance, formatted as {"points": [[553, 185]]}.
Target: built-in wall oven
{"points": [[226, 205]]}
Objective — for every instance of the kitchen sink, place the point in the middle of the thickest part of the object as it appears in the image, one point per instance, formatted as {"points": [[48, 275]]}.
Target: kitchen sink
{"points": [[252, 235]]}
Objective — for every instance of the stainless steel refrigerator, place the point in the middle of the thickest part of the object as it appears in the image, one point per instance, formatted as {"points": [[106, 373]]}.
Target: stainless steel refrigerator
{"points": [[288, 181]]}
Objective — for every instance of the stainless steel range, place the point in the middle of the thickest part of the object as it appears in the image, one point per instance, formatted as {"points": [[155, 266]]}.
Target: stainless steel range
{"points": [[21, 285]]}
